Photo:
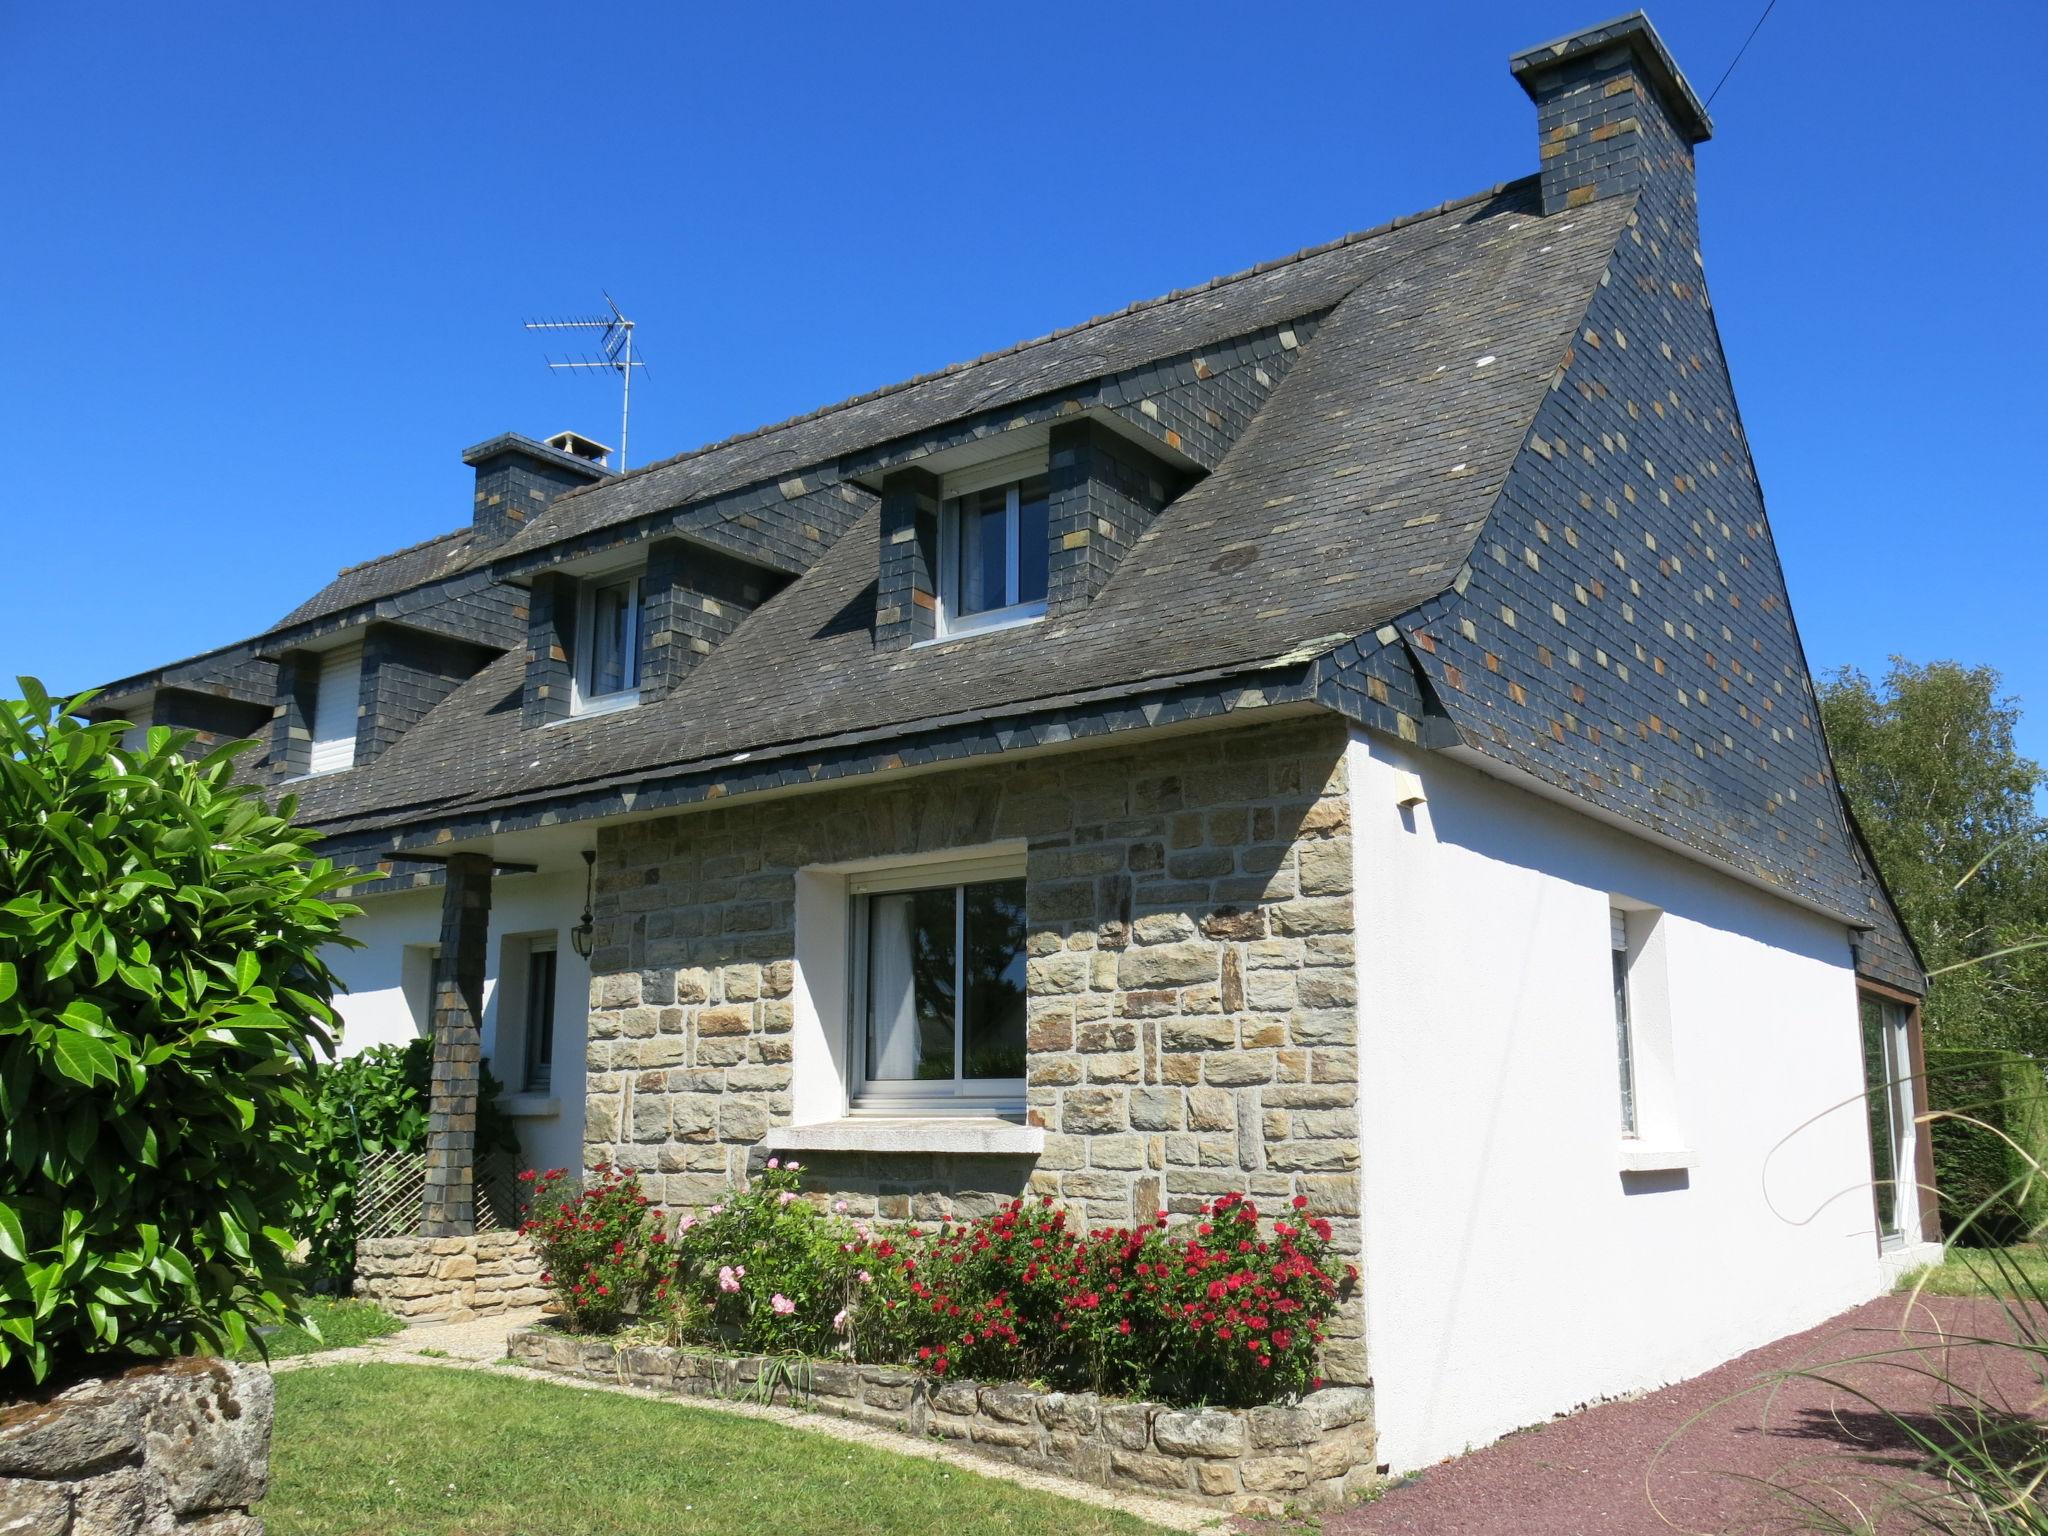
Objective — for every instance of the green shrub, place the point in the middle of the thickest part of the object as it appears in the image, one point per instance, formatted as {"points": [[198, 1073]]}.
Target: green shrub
{"points": [[1991, 1192], [372, 1102], [602, 1247], [161, 993]]}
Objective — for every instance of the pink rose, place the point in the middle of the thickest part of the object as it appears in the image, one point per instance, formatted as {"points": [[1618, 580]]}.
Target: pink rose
{"points": [[728, 1281], [782, 1304], [839, 1321], [776, 1162], [784, 1198], [684, 1223], [839, 1206]]}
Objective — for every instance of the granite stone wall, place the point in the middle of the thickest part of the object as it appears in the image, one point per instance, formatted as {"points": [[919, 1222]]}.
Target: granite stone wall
{"points": [[177, 1445], [1191, 1011], [1313, 1454], [456, 1278]]}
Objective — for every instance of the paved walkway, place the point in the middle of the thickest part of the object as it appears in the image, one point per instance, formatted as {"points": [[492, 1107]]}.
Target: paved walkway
{"points": [[1720, 1454], [480, 1346]]}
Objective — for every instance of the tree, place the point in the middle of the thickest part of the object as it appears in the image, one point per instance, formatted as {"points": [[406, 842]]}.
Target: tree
{"points": [[162, 1001], [1952, 812]]}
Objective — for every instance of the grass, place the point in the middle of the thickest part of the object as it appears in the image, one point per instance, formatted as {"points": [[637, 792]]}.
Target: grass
{"points": [[2003, 1272], [410, 1451], [341, 1322]]}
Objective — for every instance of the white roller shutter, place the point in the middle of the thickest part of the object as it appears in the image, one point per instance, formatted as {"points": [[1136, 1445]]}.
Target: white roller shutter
{"points": [[334, 710]]}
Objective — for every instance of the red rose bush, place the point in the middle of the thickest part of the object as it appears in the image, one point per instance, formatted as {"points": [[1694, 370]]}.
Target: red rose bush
{"points": [[1225, 1309]]}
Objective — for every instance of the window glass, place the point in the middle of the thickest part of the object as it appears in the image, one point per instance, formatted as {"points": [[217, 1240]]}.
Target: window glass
{"points": [[912, 972], [1881, 1096], [613, 659], [984, 550], [1624, 1031], [992, 1027], [945, 989], [1033, 549], [540, 1018]]}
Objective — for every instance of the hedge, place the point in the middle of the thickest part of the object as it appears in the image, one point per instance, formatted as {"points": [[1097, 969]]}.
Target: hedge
{"points": [[1992, 1192]]}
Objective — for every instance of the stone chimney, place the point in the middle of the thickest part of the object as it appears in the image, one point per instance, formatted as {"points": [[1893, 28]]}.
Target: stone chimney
{"points": [[1612, 111], [516, 477]]}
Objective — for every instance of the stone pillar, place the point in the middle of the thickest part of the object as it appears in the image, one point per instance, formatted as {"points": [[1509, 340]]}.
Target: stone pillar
{"points": [[450, 1208]]}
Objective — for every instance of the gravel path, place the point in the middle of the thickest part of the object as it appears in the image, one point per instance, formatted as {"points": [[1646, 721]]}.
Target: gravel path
{"points": [[1704, 1456]]}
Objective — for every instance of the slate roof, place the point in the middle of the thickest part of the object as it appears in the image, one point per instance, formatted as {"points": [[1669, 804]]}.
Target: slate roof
{"points": [[443, 555], [1357, 491]]}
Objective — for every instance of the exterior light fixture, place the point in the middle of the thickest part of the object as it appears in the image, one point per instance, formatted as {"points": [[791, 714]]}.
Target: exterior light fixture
{"points": [[585, 930]]}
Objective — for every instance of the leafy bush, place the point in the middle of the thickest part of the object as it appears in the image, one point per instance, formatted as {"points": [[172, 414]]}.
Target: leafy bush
{"points": [[161, 993], [372, 1102], [1227, 1309], [602, 1247], [1990, 1128]]}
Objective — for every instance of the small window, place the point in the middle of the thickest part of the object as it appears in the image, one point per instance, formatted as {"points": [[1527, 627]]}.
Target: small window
{"points": [[1888, 1084], [540, 1016], [608, 644], [939, 985], [1624, 1024], [993, 556], [336, 700]]}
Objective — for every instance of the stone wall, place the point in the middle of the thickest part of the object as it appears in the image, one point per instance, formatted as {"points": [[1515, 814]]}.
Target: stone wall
{"points": [[1313, 1454], [181, 1445], [1191, 1009], [456, 1278]]}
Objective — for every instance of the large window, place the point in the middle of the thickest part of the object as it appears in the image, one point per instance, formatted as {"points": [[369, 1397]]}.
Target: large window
{"points": [[608, 644], [938, 984], [1888, 1084], [993, 555]]}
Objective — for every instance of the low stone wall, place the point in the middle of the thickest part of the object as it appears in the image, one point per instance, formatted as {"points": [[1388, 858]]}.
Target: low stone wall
{"points": [[1311, 1454], [180, 1445], [455, 1278]]}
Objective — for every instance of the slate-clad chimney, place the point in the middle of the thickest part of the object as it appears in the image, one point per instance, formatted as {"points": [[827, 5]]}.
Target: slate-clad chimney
{"points": [[1612, 109], [516, 477]]}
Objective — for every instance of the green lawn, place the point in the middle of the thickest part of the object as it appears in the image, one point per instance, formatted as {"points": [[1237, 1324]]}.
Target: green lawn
{"points": [[401, 1450], [2018, 1271], [341, 1324]]}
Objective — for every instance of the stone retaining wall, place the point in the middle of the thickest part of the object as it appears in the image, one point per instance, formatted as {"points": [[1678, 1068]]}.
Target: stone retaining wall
{"points": [[455, 1278], [179, 1445], [1312, 1454]]}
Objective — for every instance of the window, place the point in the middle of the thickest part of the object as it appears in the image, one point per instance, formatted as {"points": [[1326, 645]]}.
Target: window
{"points": [[993, 555], [1624, 1026], [608, 644], [336, 697], [939, 987], [1888, 1080], [540, 1016]]}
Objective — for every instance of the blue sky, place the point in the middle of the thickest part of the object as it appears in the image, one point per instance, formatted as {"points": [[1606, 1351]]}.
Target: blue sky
{"points": [[264, 267]]}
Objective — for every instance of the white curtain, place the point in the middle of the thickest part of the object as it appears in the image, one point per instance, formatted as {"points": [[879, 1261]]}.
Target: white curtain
{"points": [[892, 990]]}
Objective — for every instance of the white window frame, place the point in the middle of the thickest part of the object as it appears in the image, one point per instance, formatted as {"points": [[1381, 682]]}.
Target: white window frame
{"points": [[581, 700], [1011, 472], [1895, 1020], [897, 1099], [1624, 1022]]}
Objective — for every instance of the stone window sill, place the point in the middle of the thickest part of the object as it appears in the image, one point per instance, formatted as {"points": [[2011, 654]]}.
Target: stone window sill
{"points": [[979, 1135], [1654, 1157], [529, 1106]]}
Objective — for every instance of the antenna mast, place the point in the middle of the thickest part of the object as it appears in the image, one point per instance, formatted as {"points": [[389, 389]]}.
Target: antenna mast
{"points": [[614, 355]]}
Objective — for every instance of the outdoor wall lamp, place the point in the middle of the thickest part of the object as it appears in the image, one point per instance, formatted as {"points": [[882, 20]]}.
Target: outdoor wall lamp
{"points": [[585, 930]]}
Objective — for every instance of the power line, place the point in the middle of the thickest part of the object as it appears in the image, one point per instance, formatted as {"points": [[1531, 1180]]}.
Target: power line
{"points": [[1741, 51]]}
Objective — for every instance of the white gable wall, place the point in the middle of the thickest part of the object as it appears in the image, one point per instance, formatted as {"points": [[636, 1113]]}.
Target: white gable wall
{"points": [[1512, 1271], [388, 996]]}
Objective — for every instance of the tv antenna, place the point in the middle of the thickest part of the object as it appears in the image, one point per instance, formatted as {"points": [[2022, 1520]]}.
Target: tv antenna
{"points": [[614, 355]]}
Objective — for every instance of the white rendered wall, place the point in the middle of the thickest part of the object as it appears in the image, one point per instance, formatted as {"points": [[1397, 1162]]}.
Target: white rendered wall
{"points": [[1512, 1270], [379, 1008]]}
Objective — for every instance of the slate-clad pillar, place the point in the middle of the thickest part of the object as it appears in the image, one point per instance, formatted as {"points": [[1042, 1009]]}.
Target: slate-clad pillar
{"points": [[906, 597], [450, 1208]]}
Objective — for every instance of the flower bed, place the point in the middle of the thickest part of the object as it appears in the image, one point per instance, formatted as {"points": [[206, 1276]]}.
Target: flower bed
{"points": [[1314, 1453], [1227, 1309]]}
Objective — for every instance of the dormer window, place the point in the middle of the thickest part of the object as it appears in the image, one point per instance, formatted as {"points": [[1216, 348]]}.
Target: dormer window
{"points": [[336, 694], [608, 645], [993, 550]]}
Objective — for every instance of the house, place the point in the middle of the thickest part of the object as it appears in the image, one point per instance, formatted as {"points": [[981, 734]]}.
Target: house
{"points": [[1336, 731]]}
